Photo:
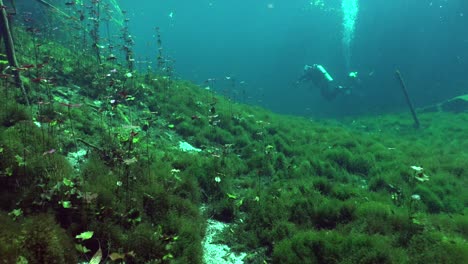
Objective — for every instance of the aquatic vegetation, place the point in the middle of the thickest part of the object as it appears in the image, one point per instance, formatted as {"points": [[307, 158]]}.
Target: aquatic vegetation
{"points": [[331, 247], [45, 242], [437, 248], [141, 161]]}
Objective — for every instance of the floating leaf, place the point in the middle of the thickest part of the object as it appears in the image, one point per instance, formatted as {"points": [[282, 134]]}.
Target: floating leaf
{"points": [[16, 213], [232, 196], [130, 161], [85, 235], [67, 182], [96, 259], [168, 256], [116, 256], [21, 260], [417, 168], [8, 172], [20, 160], [120, 256], [82, 249], [421, 177]]}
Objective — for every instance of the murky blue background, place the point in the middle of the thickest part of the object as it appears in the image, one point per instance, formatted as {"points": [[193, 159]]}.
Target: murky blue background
{"points": [[265, 44]]}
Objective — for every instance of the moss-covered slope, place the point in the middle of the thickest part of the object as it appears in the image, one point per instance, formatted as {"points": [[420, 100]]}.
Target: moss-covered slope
{"points": [[100, 150]]}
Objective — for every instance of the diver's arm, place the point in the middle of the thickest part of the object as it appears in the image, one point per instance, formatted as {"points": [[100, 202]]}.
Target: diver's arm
{"points": [[317, 75], [303, 78]]}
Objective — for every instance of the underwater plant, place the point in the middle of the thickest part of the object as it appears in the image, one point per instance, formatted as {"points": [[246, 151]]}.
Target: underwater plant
{"points": [[109, 163], [46, 242]]}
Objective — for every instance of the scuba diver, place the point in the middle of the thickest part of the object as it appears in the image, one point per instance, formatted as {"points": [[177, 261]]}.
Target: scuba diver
{"points": [[320, 78]]}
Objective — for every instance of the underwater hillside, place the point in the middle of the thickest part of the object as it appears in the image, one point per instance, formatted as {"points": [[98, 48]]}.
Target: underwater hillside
{"points": [[102, 162]]}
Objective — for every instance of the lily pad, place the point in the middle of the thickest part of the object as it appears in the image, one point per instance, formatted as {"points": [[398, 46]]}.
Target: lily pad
{"points": [[85, 235]]}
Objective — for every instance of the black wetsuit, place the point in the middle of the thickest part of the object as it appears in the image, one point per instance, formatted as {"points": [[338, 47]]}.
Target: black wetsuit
{"points": [[328, 89]]}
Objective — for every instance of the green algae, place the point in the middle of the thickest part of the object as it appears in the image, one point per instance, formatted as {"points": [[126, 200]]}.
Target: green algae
{"points": [[297, 190]]}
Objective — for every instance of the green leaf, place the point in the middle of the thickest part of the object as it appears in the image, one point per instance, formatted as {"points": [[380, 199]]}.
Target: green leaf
{"points": [[231, 196], [16, 213], [21, 260], [8, 172], [168, 256], [96, 259], [20, 160], [85, 235], [66, 204], [67, 182], [82, 249]]}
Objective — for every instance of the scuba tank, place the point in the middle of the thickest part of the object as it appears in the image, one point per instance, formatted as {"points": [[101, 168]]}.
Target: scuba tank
{"points": [[324, 72]]}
